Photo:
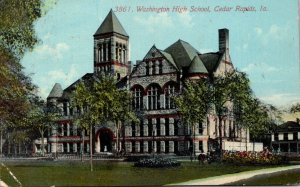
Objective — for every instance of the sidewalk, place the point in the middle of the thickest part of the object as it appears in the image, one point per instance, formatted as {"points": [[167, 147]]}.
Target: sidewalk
{"points": [[229, 178], [3, 184]]}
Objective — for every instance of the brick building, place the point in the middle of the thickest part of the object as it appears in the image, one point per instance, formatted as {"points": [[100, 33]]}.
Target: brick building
{"points": [[152, 81]]}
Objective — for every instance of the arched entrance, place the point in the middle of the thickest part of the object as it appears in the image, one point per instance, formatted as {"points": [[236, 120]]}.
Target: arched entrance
{"points": [[104, 140]]}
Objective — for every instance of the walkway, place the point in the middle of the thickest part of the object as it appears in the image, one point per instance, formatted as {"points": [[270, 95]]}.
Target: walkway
{"points": [[229, 178]]}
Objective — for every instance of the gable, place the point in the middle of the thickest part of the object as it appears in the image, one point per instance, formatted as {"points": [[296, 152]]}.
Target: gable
{"points": [[224, 65]]}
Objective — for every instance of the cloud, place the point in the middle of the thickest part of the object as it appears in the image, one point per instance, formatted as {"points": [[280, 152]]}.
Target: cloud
{"points": [[259, 67], [57, 76], [47, 36], [258, 30], [66, 77], [155, 22], [186, 19], [273, 33], [205, 50], [52, 51], [281, 99]]}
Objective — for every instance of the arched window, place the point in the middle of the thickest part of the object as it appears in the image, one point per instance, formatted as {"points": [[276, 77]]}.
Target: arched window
{"points": [[153, 98], [137, 93], [169, 93]]}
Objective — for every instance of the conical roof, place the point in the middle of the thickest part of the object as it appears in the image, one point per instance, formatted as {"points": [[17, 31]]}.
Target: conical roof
{"points": [[111, 24], [197, 66], [182, 53], [56, 91]]}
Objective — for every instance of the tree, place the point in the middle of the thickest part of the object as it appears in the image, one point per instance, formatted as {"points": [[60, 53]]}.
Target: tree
{"points": [[194, 103], [42, 118], [227, 90], [102, 102], [17, 36], [295, 108]]}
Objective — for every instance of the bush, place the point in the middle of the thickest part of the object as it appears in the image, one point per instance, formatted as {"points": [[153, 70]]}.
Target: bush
{"points": [[156, 163], [257, 158]]}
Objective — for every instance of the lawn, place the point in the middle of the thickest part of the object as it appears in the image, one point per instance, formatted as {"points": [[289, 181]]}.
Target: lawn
{"points": [[76, 173]]}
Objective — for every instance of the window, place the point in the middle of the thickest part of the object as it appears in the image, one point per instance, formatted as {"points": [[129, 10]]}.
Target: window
{"points": [[71, 147], [201, 146], [200, 128], [160, 67], [133, 129], [71, 129], [153, 68], [167, 126], [65, 106], [153, 98], [285, 136], [137, 98], [276, 137], [169, 93], [158, 127], [104, 52], [147, 68], [176, 128], [295, 136]]}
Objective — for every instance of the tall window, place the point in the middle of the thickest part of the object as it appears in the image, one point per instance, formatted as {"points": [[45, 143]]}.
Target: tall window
{"points": [[147, 68], [153, 68], [295, 136], [169, 92], [153, 98], [200, 128], [160, 67], [137, 99]]}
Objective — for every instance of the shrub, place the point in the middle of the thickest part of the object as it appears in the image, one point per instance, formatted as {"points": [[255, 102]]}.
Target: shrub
{"points": [[156, 163], [258, 158]]}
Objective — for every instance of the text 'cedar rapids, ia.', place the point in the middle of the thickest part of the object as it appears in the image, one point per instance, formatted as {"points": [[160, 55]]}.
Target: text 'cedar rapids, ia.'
{"points": [[184, 9]]}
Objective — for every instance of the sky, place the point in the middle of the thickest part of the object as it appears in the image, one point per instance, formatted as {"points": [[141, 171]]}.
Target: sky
{"points": [[263, 43]]}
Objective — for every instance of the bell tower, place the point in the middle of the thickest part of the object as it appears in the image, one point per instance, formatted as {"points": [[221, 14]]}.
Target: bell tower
{"points": [[111, 47]]}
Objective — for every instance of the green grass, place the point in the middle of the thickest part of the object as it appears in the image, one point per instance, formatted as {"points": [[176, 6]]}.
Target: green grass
{"points": [[280, 178], [75, 173]]}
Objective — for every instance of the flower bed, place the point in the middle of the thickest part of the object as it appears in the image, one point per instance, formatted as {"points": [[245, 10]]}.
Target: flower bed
{"points": [[156, 163], [258, 158]]}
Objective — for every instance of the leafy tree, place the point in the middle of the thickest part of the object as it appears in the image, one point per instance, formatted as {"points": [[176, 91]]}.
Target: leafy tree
{"points": [[194, 103], [42, 118], [227, 89], [17, 36], [102, 102], [295, 108]]}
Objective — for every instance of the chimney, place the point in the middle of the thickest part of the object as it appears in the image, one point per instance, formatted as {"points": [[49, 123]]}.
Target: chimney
{"points": [[298, 120], [224, 40]]}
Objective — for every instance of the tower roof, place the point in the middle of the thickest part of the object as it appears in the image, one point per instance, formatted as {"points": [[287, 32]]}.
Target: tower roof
{"points": [[56, 91], [182, 53], [111, 24], [197, 66]]}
